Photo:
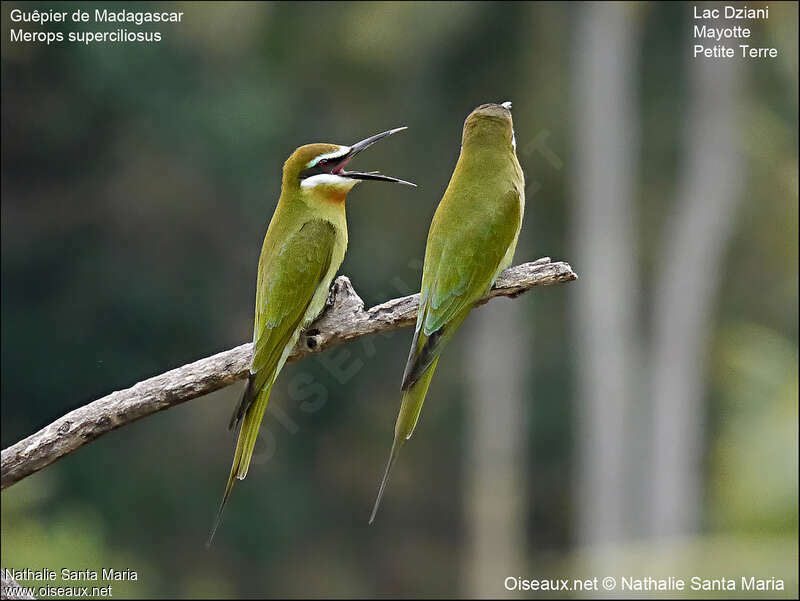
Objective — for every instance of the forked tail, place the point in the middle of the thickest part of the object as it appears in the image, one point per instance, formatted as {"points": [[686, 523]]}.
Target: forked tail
{"points": [[248, 433], [410, 407]]}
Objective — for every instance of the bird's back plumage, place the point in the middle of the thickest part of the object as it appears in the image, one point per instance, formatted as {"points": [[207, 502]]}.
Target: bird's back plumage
{"points": [[291, 278], [471, 240]]}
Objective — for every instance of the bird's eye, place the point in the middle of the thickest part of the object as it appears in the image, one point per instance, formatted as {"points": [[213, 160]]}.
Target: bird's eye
{"points": [[323, 162]]}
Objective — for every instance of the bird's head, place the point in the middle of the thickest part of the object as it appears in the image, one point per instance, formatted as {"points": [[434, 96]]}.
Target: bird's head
{"points": [[490, 124], [321, 167]]}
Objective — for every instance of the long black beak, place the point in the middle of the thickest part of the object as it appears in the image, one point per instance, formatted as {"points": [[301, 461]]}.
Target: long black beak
{"points": [[372, 175]]}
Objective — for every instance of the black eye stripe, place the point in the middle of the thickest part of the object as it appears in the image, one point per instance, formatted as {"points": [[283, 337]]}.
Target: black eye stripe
{"points": [[311, 171]]}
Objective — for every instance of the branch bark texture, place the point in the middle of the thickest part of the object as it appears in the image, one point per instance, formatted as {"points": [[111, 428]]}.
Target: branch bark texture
{"points": [[343, 319]]}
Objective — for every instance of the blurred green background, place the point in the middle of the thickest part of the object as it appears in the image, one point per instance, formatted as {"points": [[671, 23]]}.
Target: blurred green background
{"points": [[640, 421]]}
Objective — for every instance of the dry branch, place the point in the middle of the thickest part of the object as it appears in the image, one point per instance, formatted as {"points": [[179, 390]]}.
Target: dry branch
{"points": [[343, 319]]}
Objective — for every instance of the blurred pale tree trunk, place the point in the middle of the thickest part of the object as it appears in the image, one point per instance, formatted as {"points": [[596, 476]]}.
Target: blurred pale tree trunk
{"points": [[690, 266], [497, 373], [604, 252]]}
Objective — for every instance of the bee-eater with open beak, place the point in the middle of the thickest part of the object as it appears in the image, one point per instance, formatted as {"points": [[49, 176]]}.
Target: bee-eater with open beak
{"points": [[302, 251], [472, 239]]}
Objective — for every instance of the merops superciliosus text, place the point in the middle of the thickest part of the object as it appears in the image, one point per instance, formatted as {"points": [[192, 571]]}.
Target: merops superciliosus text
{"points": [[302, 251], [471, 240]]}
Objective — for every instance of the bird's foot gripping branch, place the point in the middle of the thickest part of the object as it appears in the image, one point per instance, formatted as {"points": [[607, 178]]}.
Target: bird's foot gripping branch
{"points": [[344, 318]]}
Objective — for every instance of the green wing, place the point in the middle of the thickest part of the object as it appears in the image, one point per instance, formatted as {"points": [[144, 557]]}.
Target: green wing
{"points": [[287, 281], [459, 270]]}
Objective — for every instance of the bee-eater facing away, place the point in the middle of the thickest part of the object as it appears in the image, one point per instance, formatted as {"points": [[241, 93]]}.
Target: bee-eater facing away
{"points": [[472, 239], [302, 251]]}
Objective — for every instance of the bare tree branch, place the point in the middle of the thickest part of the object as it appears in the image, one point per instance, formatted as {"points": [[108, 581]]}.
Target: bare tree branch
{"points": [[343, 319]]}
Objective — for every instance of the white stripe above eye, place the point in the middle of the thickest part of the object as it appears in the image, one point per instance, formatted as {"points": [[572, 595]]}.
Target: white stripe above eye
{"points": [[343, 150], [325, 178]]}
